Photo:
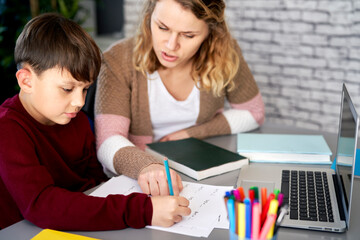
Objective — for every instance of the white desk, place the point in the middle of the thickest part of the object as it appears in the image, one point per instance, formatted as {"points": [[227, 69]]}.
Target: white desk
{"points": [[26, 230]]}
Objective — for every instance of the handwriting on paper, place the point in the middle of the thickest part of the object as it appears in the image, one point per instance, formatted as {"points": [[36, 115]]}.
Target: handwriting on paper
{"points": [[204, 204]]}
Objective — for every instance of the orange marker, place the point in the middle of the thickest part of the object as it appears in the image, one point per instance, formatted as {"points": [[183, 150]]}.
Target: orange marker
{"points": [[263, 197], [242, 194]]}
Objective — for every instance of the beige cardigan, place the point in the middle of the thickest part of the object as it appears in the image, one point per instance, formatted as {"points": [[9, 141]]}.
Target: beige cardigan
{"points": [[122, 109]]}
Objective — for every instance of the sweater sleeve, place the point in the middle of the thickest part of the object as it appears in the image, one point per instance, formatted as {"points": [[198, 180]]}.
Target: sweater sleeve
{"points": [[32, 187], [93, 168], [117, 150], [246, 111]]}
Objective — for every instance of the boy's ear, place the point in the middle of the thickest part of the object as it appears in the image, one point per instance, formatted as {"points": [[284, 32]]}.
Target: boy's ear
{"points": [[24, 79]]}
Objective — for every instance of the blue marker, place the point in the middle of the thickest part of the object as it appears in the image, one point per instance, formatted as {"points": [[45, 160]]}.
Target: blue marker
{"points": [[231, 212], [168, 177], [247, 218]]}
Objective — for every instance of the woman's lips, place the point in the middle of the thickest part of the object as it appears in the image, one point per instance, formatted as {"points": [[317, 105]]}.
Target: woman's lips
{"points": [[167, 57]]}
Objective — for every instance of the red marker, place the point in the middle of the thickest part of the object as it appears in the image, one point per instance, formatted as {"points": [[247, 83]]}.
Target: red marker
{"points": [[251, 195], [266, 208]]}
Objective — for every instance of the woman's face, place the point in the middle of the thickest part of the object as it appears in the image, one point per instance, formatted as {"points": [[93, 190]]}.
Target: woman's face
{"points": [[176, 34]]}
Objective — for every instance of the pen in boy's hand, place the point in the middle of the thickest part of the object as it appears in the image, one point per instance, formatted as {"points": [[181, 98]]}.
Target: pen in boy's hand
{"points": [[168, 176]]}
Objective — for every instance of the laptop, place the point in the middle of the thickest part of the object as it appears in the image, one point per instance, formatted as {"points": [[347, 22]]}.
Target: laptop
{"points": [[318, 198]]}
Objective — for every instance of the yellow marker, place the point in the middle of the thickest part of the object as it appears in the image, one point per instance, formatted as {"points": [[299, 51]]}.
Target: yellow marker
{"points": [[272, 210], [241, 220]]}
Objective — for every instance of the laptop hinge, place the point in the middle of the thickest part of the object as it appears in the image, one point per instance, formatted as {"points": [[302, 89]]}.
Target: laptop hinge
{"points": [[338, 197]]}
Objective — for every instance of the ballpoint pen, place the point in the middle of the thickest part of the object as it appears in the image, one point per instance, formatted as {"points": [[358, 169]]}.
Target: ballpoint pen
{"points": [[283, 211], [168, 176]]}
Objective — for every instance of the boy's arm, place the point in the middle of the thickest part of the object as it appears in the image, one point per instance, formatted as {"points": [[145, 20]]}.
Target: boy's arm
{"points": [[48, 206], [94, 169]]}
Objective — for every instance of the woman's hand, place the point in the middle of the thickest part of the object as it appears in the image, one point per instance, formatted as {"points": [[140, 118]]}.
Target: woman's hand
{"points": [[152, 180], [168, 210], [182, 134]]}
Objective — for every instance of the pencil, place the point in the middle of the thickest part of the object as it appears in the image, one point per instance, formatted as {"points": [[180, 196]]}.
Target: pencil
{"points": [[168, 177]]}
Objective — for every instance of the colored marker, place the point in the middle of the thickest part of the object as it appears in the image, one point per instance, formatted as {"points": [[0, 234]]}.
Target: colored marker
{"points": [[263, 197], [236, 210], [168, 177], [280, 199], [276, 192], [256, 191], [255, 230], [272, 210], [230, 207], [241, 220], [226, 198], [237, 195], [247, 203], [273, 206], [270, 220], [242, 194], [266, 207], [251, 195]]}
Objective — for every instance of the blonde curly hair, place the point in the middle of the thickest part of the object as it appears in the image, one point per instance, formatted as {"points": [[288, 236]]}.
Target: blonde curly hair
{"points": [[215, 63]]}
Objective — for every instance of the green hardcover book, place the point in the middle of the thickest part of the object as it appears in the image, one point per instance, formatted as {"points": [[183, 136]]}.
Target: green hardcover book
{"points": [[196, 158]]}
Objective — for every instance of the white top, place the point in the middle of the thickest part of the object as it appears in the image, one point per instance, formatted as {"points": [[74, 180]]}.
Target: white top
{"points": [[167, 114]]}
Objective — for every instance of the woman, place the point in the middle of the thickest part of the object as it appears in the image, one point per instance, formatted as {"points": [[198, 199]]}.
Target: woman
{"points": [[170, 82]]}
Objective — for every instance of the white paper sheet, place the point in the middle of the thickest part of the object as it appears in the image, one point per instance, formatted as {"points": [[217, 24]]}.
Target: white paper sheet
{"points": [[206, 204]]}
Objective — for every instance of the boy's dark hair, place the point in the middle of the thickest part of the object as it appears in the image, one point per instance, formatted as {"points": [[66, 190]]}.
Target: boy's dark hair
{"points": [[51, 40]]}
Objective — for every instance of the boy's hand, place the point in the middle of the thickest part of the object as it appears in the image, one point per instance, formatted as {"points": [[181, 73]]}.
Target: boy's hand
{"points": [[168, 210], [152, 180]]}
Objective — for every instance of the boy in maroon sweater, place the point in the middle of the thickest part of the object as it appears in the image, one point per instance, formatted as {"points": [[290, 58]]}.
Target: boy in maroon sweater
{"points": [[47, 154]]}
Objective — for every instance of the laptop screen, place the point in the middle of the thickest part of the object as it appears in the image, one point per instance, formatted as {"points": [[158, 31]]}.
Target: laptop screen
{"points": [[346, 150]]}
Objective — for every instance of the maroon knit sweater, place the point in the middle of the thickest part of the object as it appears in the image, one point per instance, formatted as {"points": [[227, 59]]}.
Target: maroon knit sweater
{"points": [[45, 169]]}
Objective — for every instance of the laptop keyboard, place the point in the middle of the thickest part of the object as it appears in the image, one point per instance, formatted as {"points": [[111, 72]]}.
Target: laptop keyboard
{"points": [[307, 193]]}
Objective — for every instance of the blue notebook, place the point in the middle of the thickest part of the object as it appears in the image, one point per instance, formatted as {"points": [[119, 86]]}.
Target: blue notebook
{"points": [[284, 148]]}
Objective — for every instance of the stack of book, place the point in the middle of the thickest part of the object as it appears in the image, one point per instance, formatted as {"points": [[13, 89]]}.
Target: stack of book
{"points": [[284, 148]]}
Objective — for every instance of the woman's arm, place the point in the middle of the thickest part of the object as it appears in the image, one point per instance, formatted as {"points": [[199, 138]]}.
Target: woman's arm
{"points": [[246, 110], [117, 149]]}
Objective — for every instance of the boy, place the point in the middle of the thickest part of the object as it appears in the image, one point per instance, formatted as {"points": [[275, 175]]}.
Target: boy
{"points": [[47, 154]]}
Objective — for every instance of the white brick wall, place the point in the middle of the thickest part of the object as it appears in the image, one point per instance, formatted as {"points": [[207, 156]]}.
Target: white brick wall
{"points": [[300, 52]]}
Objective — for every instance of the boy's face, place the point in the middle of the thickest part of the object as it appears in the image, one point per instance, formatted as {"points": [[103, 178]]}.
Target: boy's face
{"points": [[55, 96]]}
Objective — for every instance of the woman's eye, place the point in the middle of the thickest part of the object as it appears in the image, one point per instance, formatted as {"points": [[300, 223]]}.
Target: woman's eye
{"points": [[189, 36], [162, 28]]}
